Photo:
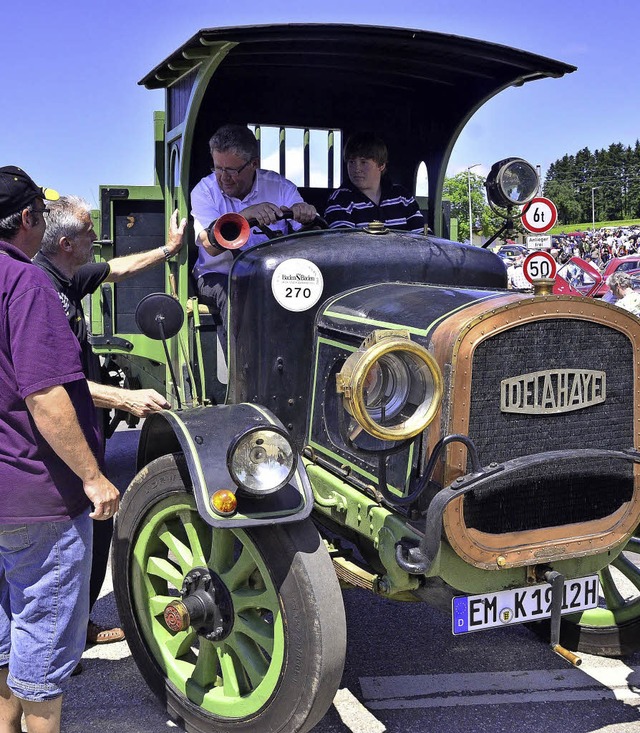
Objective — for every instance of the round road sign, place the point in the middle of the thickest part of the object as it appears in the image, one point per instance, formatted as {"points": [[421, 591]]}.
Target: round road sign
{"points": [[539, 265], [539, 215]]}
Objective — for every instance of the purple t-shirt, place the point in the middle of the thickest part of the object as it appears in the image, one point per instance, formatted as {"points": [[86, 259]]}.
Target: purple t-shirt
{"points": [[37, 350]]}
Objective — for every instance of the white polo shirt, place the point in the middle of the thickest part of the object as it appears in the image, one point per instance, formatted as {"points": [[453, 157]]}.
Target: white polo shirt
{"points": [[208, 202]]}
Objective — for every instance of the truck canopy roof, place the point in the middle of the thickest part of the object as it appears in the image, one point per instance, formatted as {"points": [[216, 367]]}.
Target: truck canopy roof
{"points": [[416, 89]]}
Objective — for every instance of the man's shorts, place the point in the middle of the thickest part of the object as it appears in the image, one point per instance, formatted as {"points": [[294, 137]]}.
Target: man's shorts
{"points": [[44, 603]]}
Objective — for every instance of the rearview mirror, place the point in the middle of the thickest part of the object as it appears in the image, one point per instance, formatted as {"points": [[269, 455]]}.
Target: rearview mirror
{"points": [[159, 316]]}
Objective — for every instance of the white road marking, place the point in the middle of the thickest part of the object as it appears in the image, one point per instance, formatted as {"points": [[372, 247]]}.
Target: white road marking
{"points": [[622, 680], [590, 682], [354, 714]]}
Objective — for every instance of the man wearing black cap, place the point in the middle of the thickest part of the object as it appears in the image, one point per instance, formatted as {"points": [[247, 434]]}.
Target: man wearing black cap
{"points": [[50, 473]]}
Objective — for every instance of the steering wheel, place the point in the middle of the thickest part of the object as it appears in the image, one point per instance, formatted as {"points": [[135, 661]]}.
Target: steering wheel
{"points": [[231, 231], [317, 223]]}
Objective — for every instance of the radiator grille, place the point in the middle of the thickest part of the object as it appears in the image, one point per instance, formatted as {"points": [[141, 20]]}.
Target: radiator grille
{"points": [[571, 491]]}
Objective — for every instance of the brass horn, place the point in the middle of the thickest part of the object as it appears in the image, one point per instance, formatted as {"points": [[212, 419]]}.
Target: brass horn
{"points": [[230, 231]]}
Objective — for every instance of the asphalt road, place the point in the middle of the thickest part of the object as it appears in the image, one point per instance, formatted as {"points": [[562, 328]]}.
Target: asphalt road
{"points": [[405, 673]]}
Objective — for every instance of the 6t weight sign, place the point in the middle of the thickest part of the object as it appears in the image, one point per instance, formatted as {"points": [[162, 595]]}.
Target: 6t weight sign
{"points": [[539, 215], [539, 265]]}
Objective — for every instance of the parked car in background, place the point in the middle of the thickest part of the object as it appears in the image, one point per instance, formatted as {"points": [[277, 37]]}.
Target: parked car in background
{"points": [[578, 277], [581, 277], [509, 252], [624, 264]]}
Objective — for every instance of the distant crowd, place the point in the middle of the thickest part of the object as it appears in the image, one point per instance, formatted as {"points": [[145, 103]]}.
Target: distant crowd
{"points": [[598, 246]]}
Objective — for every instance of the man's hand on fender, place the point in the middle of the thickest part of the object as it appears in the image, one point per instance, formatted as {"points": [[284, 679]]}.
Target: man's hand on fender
{"points": [[143, 402]]}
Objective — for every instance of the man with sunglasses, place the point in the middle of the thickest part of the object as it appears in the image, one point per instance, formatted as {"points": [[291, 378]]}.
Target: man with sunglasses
{"points": [[238, 185], [50, 474]]}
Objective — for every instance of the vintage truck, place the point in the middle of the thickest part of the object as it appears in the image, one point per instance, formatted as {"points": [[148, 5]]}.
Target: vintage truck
{"points": [[388, 414]]}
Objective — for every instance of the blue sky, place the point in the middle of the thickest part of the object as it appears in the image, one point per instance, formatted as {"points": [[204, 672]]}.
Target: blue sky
{"points": [[74, 117]]}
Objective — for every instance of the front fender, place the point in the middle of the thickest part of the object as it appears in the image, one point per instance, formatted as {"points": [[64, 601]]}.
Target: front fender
{"points": [[203, 435]]}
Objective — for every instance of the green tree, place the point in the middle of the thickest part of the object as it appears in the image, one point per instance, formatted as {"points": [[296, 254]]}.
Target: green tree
{"points": [[634, 182], [583, 171], [563, 195], [456, 190], [562, 186], [604, 184]]}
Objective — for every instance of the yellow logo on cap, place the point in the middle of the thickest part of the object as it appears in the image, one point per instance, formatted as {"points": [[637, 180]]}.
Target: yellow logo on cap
{"points": [[50, 194]]}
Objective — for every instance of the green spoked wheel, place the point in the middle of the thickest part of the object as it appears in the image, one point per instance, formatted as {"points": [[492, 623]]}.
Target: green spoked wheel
{"points": [[269, 654]]}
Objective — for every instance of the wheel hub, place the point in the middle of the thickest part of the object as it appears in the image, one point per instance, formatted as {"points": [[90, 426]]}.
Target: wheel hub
{"points": [[205, 605]]}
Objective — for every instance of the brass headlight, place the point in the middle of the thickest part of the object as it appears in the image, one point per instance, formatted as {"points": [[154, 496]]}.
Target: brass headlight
{"points": [[391, 386]]}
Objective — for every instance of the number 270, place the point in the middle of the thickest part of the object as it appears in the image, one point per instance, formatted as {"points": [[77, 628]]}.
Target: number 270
{"points": [[296, 292]]}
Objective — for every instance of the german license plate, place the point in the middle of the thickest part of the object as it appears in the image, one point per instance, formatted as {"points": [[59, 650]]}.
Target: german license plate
{"points": [[517, 605]]}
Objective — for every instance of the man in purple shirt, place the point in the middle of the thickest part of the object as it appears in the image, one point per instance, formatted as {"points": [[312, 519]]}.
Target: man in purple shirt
{"points": [[50, 474]]}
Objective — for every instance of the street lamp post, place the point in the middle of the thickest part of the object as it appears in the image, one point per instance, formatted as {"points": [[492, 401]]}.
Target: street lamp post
{"points": [[475, 165], [593, 209]]}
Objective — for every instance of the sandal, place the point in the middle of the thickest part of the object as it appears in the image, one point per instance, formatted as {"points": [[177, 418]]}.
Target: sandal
{"points": [[97, 634]]}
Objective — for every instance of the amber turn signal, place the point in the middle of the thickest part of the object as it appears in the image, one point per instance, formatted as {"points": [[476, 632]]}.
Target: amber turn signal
{"points": [[224, 502]]}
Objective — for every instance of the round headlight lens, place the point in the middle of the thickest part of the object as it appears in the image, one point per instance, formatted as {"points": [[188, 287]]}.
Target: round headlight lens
{"points": [[392, 388], [512, 182], [261, 460], [387, 387]]}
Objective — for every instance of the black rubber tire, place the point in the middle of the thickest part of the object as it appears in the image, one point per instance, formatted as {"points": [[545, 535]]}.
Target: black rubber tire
{"points": [[607, 641], [309, 598], [611, 641]]}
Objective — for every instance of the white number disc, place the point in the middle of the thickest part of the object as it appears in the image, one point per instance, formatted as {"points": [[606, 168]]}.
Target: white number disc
{"points": [[297, 284]]}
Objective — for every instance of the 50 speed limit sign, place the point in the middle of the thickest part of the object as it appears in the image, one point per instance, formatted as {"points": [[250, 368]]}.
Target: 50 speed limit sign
{"points": [[539, 215], [539, 265]]}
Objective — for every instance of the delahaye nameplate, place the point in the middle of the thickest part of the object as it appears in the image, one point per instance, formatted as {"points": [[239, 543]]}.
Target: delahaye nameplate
{"points": [[552, 391]]}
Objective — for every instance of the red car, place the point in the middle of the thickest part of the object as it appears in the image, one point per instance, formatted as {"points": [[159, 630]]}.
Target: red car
{"points": [[625, 264], [579, 277]]}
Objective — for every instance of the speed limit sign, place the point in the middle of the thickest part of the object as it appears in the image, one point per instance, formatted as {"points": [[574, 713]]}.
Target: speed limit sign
{"points": [[539, 215], [539, 265]]}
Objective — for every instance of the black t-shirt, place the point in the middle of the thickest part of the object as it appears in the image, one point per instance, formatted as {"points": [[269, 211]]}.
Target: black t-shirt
{"points": [[71, 292]]}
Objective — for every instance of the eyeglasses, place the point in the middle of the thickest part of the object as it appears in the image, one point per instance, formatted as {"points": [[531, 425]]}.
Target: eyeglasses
{"points": [[232, 172], [46, 210]]}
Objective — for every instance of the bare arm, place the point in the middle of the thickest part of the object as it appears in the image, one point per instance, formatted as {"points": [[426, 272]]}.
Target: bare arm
{"points": [[123, 267], [56, 419], [209, 248], [139, 402]]}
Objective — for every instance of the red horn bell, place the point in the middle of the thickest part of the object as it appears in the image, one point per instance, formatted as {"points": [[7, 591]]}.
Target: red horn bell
{"points": [[230, 231]]}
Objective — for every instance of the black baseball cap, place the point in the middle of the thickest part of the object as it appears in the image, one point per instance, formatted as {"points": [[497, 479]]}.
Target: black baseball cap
{"points": [[17, 191]]}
